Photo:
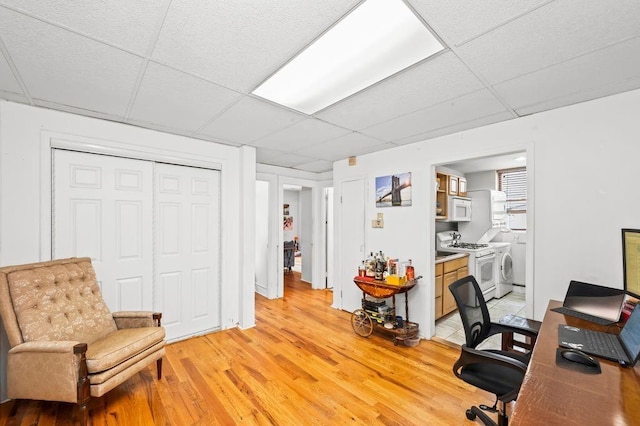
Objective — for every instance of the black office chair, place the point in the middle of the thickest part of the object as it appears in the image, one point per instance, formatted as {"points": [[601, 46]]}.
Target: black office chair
{"points": [[496, 371]]}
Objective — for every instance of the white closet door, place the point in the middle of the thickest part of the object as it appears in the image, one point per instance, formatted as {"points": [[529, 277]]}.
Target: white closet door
{"points": [[188, 249], [102, 208]]}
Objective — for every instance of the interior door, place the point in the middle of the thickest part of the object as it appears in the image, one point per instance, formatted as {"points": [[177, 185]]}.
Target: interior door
{"points": [[306, 233], [352, 250], [188, 249], [102, 207]]}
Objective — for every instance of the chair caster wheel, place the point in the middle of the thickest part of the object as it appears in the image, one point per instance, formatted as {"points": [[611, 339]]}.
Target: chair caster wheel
{"points": [[470, 415]]}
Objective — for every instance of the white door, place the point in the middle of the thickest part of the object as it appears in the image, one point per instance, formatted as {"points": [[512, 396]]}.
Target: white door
{"points": [[352, 250], [306, 233], [188, 249], [102, 208]]}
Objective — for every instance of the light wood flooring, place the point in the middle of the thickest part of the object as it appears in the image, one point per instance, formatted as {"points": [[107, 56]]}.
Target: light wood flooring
{"points": [[301, 364]]}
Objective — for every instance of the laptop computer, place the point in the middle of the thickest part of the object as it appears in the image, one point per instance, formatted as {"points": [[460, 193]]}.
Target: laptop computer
{"points": [[591, 302], [623, 348]]}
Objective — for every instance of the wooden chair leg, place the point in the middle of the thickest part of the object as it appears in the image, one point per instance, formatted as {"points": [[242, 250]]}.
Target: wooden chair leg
{"points": [[84, 393], [159, 365]]}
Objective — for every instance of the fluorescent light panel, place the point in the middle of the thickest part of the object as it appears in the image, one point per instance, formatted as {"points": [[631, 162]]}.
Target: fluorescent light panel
{"points": [[376, 40]]}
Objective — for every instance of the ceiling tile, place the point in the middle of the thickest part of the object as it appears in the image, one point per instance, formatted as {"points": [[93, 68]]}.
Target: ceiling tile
{"points": [[126, 23], [239, 44], [8, 82], [62, 67], [346, 146], [432, 82], [460, 20], [301, 135], [178, 100], [318, 166], [551, 34], [469, 107], [249, 120], [280, 158], [457, 127], [78, 111], [616, 64]]}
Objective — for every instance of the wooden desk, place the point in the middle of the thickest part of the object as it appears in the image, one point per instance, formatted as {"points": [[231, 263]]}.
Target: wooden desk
{"points": [[554, 395]]}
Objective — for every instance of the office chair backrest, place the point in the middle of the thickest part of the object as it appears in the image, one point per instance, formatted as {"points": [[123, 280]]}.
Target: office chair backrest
{"points": [[473, 309]]}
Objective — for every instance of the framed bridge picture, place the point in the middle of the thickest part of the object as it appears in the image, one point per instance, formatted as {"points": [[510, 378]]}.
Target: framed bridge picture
{"points": [[393, 190]]}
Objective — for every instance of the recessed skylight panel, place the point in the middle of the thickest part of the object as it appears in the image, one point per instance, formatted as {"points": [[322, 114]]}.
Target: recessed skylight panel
{"points": [[376, 40]]}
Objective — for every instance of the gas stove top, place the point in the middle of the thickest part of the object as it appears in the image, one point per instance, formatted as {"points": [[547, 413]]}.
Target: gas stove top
{"points": [[470, 246]]}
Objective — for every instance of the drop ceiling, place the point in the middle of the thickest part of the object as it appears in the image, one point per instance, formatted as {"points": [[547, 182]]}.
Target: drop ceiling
{"points": [[189, 66]]}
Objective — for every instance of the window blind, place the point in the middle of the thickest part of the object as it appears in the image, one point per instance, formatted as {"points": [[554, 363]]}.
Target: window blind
{"points": [[514, 183]]}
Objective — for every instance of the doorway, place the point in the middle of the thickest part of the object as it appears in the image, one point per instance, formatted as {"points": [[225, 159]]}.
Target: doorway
{"points": [[481, 174], [297, 231]]}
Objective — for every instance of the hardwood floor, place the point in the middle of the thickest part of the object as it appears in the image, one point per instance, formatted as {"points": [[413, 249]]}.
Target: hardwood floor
{"points": [[301, 364]]}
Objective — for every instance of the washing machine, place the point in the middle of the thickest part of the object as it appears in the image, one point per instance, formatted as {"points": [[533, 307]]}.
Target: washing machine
{"points": [[503, 268]]}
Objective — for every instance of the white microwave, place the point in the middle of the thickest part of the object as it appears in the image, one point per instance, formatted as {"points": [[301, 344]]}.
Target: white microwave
{"points": [[459, 209]]}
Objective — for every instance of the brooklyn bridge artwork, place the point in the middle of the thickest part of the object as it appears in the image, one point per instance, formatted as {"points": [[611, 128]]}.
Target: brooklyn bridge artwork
{"points": [[393, 190]]}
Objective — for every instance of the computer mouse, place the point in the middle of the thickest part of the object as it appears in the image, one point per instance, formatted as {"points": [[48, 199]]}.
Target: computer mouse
{"points": [[580, 357]]}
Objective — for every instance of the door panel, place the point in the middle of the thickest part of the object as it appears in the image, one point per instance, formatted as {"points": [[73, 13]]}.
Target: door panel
{"points": [[104, 208], [99, 208], [188, 253]]}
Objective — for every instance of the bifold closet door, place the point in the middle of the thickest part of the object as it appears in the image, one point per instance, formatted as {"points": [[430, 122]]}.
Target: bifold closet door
{"points": [[187, 264], [102, 208]]}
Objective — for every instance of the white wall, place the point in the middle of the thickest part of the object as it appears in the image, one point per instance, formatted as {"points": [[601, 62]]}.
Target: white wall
{"points": [[582, 163], [262, 237], [25, 214]]}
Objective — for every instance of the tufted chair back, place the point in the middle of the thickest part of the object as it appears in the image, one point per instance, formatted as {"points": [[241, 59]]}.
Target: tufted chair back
{"points": [[58, 300]]}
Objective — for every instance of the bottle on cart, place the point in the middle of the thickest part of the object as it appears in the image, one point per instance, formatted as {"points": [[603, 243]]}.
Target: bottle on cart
{"points": [[362, 269], [379, 274], [410, 272], [370, 266]]}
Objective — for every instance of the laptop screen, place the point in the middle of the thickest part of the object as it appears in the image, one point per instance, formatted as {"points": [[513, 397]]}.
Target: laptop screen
{"points": [[603, 302], [630, 335]]}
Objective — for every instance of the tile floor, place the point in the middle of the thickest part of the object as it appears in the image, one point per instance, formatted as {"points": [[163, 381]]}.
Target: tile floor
{"points": [[450, 328]]}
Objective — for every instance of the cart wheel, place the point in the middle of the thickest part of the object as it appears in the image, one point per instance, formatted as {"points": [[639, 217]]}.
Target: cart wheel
{"points": [[361, 323], [395, 342]]}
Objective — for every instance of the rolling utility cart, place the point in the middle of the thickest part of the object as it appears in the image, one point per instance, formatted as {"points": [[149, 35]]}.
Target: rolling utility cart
{"points": [[376, 314]]}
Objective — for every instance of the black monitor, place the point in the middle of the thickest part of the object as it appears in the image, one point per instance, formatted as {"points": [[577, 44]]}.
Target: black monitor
{"points": [[631, 261]]}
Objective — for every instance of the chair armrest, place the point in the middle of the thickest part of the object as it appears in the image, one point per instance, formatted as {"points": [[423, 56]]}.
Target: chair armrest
{"points": [[136, 319], [61, 346], [46, 370], [509, 328]]}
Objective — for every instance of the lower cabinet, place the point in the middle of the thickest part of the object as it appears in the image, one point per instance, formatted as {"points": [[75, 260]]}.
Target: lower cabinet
{"points": [[448, 272], [438, 291]]}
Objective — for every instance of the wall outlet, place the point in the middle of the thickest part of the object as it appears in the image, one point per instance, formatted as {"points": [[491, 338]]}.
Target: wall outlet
{"points": [[377, 223]]}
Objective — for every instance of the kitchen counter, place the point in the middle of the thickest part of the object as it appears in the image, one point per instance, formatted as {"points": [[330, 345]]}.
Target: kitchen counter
{"points": [[444, 257]]}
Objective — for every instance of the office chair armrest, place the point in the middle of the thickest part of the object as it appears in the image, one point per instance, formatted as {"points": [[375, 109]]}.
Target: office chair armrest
{"points": [[508, 328]]}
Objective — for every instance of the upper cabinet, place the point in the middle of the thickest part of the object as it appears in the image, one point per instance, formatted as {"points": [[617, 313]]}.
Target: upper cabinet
{"points": [[442, 187], [448, 186], [453, 185], [462, 187]]}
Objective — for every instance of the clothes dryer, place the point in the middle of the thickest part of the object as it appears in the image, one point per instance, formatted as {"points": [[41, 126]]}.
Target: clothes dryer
{"points": [[503, 268]]}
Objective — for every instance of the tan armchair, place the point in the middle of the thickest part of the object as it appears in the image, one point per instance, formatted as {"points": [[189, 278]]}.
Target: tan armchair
{"points": [[65, 344]]}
